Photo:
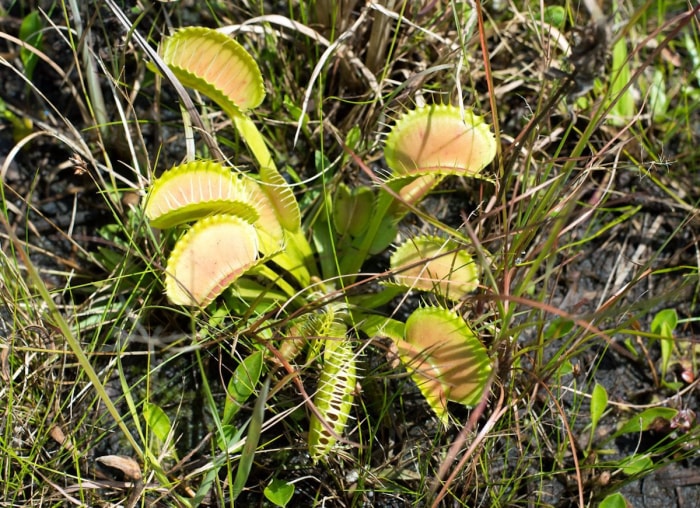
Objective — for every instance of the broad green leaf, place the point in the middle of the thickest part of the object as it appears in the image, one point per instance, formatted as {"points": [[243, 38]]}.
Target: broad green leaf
{"points": [[352, 209], [439, 139], [555, 15], [565, 368], [635, 464], [658, 98], [642, 421], [210, 257], [157, 422], [30, 33], [624, 108], [242, 384], [386, 234], [664, 323], [599, 402], [557, 328], [434, 264], [445, 359], [279, 492], [353, 138], [616, 500]]}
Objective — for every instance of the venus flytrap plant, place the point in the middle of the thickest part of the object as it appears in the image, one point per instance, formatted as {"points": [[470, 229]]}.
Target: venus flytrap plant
{"points": [[242, 222]]}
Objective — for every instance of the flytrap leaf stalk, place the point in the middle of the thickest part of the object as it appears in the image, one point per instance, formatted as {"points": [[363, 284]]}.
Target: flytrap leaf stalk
{"points": [[244, 227]]}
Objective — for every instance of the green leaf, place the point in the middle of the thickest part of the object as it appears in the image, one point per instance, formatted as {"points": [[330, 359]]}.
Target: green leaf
{"points": [[30, 33], [658, 99], [157, 421], [251, 443], [599, 402], [385, 235], [624, 108], [557, 328], [352, 209], [642, 421], [615, 500], [279, 492], [242, 384], [555, 15], [665, 322], [230, 438], [635, 464], [353, 138], [565, 368]]}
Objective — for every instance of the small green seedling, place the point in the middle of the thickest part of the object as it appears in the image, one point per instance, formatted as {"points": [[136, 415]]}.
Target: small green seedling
{"points": [[615, 500], [279, 492], [599, 402], [663, 325], [635, 464], [643, 421], [30, 33]]}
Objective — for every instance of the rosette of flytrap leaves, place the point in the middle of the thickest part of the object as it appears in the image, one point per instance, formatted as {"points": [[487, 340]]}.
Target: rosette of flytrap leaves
{"points": [[442, 354], [235, 221]]}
